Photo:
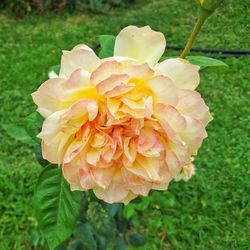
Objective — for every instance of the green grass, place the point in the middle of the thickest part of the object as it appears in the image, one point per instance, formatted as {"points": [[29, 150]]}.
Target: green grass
{"points": [[209, 212]]}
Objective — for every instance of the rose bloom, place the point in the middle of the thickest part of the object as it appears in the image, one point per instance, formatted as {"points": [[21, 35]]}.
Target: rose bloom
{"points": [[126, 124]]}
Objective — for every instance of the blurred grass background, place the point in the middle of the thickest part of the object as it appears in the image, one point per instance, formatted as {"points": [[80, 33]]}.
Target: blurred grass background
{"points": [[212, 210]]}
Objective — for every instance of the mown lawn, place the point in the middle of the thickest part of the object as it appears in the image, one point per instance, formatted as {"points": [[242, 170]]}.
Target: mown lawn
{"points": [[209, 212]]}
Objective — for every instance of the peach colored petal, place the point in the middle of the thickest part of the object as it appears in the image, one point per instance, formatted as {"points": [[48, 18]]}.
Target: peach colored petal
{"points": [[50, 151], [173, 163], [118, 90], [51, 126], [184, 74], [79, 78], [130, 149], [86, 179], [111, 82], [105, 70], [71, 173], [78, 114], [58, 93], [98, 141], [136, 184], [146, 168], [163, 89], [103, 176], [116, 192], [93, 156], [143, 44], [78, 58], [113, 106], [141, 71], [171, 115], [47, 96], [78, 144], [193, 135], [191, 104], [166, 178]]}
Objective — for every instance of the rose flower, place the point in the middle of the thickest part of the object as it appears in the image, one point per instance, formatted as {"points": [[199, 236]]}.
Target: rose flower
{"points": [[126, 124]]}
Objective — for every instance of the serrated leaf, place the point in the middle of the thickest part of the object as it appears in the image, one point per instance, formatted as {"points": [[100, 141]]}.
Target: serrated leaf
{"points": [[18, 133], [84, 233], [107, 43], [208, 63], [57, 207], [33, 125]]}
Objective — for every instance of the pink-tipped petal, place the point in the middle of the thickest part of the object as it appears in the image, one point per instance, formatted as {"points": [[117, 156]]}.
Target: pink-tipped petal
{"points": [[163, 89], [191, 104], [78, 58], [184, 74]]}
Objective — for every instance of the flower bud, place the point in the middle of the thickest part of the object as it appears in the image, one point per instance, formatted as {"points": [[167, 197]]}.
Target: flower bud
{"points": [[209, 5]]}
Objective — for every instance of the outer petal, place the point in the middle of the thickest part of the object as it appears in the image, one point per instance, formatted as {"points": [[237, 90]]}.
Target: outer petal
{"points": [[143, 44], [191, 104], [71, 173], [47, 96], [164, 90], [54, 141], [193, 135], [57, 93], [184, 74], [81, 57], [117, 191]]}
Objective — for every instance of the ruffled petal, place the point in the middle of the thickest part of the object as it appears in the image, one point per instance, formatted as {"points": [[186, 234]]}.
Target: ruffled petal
{"points": [[143, 44], [117, 191], [81, 57], [191, 104], [163, 89], [184, 74]]}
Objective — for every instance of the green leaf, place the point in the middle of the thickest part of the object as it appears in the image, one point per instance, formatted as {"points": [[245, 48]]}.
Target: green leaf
{"points": [[208, 63], [121, 243], [129, 211], [33, 125], [57, 207], [39, 157], [18, 133], [103, 224], [137, 239], [84, 233], [107, 43]]}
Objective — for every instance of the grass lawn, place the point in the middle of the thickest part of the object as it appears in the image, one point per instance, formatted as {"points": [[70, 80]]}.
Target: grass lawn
{"points": [[209, 212]]}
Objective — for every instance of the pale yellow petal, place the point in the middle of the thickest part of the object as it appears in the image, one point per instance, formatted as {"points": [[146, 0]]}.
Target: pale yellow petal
{"points": [[143, 44]]}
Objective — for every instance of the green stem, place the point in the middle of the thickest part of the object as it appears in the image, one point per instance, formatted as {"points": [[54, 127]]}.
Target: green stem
{"points": [[203, 15]]}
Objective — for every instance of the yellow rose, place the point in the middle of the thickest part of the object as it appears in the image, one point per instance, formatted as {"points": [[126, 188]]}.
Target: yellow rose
{"points": [[126, 124]]}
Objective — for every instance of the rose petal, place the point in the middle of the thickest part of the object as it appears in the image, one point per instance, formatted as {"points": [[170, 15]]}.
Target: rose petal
{"points": [[191, 104], [143, 44], [78, 58], [184, 74]]}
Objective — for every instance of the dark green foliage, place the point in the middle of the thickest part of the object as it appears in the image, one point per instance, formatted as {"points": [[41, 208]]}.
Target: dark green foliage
{"points": [[33, 125], [18, 133], [57, 207], [22, 7], [137, 239]]}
